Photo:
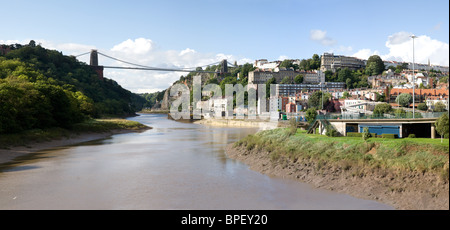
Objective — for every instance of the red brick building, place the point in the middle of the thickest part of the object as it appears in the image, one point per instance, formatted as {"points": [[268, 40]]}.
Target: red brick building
{"points": [[420, 94]]}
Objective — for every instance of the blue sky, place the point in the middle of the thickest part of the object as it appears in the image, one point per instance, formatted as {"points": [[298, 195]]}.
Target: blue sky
{"points": [[242, 30]]}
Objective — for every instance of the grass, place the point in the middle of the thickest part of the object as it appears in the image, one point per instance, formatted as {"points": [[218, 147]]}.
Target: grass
{"points": [[41, 135], [105, 125], [353, 153]]}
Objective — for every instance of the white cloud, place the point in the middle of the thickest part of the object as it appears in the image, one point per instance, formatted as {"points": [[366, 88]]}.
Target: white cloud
{"points": [[187, 51], [138, 46], [283, 57], [145, 52], [400, 47], [425, 48], [398, 38], [365, 53], [11, 42], [321, 37], [151, 55]]}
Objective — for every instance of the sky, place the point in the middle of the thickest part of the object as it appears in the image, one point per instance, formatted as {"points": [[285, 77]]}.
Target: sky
{"points": [[182, 34]]}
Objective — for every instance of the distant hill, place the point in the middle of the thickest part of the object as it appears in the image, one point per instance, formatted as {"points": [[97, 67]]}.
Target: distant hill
{"points": [[42, 88]]}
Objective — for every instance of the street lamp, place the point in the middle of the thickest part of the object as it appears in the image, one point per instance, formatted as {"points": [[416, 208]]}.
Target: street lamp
{"points": [[413, 79], [321, 88]]}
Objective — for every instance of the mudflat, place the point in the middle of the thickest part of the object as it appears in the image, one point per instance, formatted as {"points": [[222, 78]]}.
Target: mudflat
{"points": [[402, 190], [7, 155]]}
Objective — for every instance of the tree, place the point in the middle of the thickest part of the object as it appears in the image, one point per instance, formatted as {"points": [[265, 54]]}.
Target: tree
{"points": [[298, 79], [286, 80], [268, 83], [348, 83], [32, 43], [344, 74], [314, 63], [439, 107], [330, 76], [346, 94], [366, 134], [305, 64], [404, 99], [392, 68], [315, 100], [380, 97], [442, 125], [286, 64], [375, 65], [311, 115], [400, 113], [422, 106], [381, 109]]}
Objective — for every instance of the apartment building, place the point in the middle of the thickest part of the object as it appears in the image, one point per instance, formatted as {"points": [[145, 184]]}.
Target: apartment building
{"points": [[333, 62]]}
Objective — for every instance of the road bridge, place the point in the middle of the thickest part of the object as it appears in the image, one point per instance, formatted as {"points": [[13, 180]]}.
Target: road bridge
{"points": [[99, 68]]}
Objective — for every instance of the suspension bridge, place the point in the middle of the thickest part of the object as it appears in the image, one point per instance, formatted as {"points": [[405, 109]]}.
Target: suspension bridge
{"points": [[133, 66]]}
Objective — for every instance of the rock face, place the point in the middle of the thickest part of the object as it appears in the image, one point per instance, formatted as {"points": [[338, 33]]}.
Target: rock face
{"points": [[165, 102]]}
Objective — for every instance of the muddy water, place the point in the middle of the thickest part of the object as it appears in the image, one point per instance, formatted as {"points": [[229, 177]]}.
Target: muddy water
{"points": [[173, 166]]}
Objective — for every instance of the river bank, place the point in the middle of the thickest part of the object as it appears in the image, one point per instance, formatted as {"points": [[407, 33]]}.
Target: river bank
{"points": [[414, 189], [243, 123], [87, 131]]}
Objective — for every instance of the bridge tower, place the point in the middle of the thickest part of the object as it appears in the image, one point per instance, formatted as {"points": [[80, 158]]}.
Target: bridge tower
{"points": [[224, 67], [94, 64]]}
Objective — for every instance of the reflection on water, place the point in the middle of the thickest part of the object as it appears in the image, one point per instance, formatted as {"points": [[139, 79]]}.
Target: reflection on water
{"points": [[172, 166]]}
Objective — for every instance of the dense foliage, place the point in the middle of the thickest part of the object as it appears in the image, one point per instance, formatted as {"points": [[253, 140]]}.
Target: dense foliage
{"points": [[42, 88], [404, 99]]}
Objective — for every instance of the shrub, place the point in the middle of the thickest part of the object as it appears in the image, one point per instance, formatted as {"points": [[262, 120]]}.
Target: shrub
{"points": [[412, 136], [366, 135], [422, 106], [292, 130], [352, 134], [390, 136], [331, 131]]}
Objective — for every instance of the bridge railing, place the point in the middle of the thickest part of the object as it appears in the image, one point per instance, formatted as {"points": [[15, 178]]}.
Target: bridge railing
{"points": [[381, 116], [376, 116]]}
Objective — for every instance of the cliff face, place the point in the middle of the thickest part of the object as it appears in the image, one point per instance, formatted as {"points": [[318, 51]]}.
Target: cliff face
{"points": [[167, 100], [165, 103]]}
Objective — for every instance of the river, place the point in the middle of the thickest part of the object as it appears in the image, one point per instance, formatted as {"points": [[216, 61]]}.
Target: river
{"points": [[175, 165]]}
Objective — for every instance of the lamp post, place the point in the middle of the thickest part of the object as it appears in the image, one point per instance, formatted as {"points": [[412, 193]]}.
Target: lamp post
{"points": [[413, 79], [321, 88]]}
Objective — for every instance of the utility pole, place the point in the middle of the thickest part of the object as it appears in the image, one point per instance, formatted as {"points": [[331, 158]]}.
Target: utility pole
{"points": [[414, 80]]}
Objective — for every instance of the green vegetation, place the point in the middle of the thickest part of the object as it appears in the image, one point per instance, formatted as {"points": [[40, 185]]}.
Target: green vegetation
{"points": [[311, 115], [389, 136], [41, 88], [404, 99], [382, 108], [366, 134], [418, 154], [439, 107], [315, 100], [442, 126], [298, 79], [422, 106], [152, 98], [27, 137], [375, 65], [351, 134]]}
